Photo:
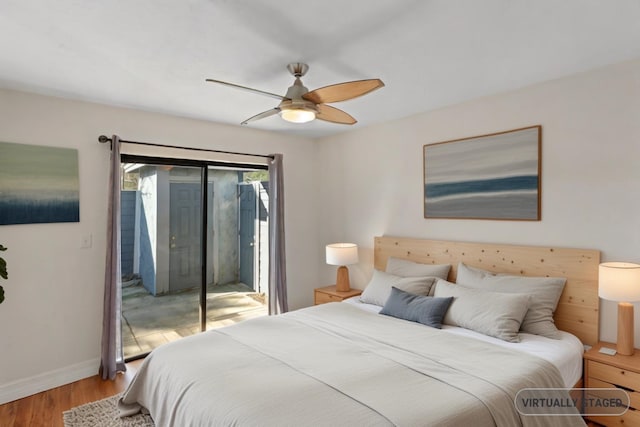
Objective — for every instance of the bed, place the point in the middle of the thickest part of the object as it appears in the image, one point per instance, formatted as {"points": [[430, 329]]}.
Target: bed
{"points": [[346, 364]]}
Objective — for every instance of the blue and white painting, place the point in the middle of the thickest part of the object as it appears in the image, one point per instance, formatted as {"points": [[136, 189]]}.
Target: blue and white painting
{"points": [[38, 184], [487, 177]]}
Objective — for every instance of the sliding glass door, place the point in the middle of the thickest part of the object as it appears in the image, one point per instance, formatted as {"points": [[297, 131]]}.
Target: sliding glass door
{"points": [[193, 256]]}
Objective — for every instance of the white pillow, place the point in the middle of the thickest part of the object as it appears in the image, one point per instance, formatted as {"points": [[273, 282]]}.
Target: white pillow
{"points": [[544, 292], [406, 268], [379, 288], [491, 313]]}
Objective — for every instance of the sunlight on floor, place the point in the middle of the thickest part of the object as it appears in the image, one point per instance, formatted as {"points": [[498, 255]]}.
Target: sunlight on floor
{"points": [[148, 321]]}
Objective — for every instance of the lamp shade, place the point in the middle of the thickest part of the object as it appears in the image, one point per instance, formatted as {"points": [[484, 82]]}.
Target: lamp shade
{"points": [[342, 253], [619, 281]]}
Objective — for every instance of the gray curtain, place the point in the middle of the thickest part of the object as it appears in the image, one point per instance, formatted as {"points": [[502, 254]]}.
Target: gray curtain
{"points": [[277, 260], [112, 358]]}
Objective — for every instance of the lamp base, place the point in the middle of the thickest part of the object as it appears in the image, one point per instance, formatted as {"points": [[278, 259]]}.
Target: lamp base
{"points": [[625, 329], [342, 279]]}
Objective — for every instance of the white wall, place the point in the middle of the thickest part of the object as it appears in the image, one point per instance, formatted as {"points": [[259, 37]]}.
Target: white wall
{"points": [[50, 322], [590, 173]]}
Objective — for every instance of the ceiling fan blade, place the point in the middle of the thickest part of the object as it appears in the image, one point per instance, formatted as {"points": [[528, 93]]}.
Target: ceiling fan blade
{"points": [[261, 92], [334, 115], [262, 115], [343, 91]]}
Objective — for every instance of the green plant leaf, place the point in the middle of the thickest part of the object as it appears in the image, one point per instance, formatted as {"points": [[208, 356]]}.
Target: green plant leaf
{"points": [[3, 272]]}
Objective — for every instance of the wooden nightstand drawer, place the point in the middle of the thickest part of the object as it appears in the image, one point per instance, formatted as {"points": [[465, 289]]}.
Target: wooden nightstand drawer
{"points": [[330, 294], [634, 396], [613, 375], [629, 418], [322, 298], [617, 371]]}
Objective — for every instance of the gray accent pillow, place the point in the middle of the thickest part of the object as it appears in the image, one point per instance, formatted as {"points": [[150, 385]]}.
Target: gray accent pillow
{"points": [[495, 314], [416, 308], [406, 268], [544, 292], [379, 288]]}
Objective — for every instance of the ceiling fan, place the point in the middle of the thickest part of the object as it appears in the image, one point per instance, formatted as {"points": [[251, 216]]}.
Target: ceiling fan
{"points": [[300, 105]]}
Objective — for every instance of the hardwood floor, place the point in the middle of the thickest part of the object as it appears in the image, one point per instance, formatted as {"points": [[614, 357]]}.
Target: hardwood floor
{"points": [[46, 408]]}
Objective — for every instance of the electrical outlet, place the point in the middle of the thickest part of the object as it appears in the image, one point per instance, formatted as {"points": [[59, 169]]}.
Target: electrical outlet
{"points": [[86, 241]]}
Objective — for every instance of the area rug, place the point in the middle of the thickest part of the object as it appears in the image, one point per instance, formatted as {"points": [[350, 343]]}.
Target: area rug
{"points": [[103, 413]]}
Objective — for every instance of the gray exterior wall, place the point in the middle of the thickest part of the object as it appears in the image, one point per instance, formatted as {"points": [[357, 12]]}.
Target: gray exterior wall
{"points": [[127, 230], [148, 213], [225, 226], [153, 230]]}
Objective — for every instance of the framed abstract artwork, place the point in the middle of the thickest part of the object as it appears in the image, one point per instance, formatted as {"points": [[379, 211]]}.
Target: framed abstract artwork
{"points": [[494, 176], [38, 184]]}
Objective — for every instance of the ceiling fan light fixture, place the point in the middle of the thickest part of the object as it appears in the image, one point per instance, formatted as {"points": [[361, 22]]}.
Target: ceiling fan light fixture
{"points": [[299, 105], [298, 115]]}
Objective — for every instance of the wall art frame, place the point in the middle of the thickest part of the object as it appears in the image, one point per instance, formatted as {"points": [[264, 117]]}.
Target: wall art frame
{"points": [[493, 177], [38, 184]]}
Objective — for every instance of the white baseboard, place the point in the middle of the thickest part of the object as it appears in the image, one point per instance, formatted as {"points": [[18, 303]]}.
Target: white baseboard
{"points": [[48, 380]]}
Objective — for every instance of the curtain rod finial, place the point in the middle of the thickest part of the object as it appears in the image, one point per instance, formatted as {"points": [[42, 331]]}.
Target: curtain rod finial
{"points": [[102, 139]]}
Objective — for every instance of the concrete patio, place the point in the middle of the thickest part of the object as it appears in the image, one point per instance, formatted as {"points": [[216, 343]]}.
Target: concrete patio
{"points": [[148, 321]]}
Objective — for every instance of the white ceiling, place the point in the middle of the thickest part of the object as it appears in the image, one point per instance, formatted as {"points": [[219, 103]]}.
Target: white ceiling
{"points": [[154, 55]]}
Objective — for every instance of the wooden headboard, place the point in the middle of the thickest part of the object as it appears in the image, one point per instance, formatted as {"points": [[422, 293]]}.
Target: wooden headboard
{"points": [[577, 310]]}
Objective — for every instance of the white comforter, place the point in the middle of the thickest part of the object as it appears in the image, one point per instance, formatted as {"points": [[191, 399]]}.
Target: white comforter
{"points": [[336, 365]]}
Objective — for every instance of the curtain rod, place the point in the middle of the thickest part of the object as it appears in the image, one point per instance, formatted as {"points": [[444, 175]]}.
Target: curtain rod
{"points": [[104, 139]]}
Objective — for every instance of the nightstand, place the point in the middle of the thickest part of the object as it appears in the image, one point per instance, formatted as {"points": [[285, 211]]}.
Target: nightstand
{"points": [[329, 294], [604, 371]]}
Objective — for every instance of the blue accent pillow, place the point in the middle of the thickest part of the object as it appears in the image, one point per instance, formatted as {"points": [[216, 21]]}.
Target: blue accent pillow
{"points": [[417, 308]]}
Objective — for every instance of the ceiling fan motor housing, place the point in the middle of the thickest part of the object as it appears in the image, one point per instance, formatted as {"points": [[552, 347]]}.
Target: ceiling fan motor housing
{"points": [[295, 100]]}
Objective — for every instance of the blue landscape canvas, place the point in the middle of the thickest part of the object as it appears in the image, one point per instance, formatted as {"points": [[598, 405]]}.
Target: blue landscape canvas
{"points": [[493, 176], [38, 184]]}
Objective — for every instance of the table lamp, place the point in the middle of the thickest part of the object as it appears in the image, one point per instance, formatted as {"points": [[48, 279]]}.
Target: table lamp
{"points": [[342, 254], [620, 281]]}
